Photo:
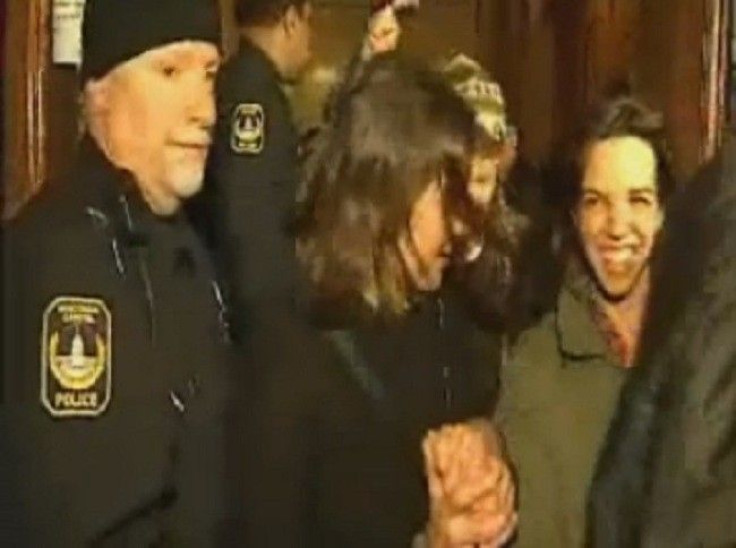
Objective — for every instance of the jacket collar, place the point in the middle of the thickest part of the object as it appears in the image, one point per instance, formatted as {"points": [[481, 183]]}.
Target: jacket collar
{"points": [[112, 196], [255, 55], [578, 336]]}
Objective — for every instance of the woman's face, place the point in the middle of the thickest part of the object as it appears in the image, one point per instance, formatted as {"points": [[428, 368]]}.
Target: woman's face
{"points": [[619, 215], [483, 180], [425, 247]]}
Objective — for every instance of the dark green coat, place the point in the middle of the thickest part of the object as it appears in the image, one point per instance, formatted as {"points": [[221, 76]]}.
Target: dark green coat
{"points": [[559, 388]]}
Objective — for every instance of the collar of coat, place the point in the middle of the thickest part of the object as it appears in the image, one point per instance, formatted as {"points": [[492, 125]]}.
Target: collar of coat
{"points": [[579, 336], [113, 197]]}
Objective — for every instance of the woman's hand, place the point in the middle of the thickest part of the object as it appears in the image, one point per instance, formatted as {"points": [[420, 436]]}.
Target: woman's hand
{"points": [[384, 32], [471, 491]]}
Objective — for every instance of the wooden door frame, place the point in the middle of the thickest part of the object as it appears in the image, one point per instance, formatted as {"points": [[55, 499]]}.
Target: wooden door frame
{"points": [[716, 44], [26, 63]]}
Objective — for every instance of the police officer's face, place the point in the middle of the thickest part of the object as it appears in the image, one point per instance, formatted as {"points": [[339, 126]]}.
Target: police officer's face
{"points": [[158, 111], [618, 214], [298, 25]]}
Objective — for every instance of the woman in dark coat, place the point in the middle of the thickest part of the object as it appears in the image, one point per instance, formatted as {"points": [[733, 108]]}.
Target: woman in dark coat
{"points": [[375, 356]]}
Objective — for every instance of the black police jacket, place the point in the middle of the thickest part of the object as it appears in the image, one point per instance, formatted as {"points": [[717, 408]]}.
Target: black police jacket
{"points": [[115, 371], [251, 183]]}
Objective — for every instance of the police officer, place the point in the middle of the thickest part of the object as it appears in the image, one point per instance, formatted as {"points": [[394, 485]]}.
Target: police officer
{"points": [[115, 361], [253, 168]]}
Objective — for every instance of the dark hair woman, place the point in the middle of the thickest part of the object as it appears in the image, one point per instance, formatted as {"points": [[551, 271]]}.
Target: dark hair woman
{"points": [[386, 201], [563, 378], [619, 116], [390, 200]]}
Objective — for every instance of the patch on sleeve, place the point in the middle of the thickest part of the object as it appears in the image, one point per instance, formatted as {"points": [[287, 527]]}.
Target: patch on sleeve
{"points": [[76, 357], [248, 129]]}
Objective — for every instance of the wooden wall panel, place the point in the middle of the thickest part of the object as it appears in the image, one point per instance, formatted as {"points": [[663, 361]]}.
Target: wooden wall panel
{"points": [[40, 127], [229, 30], [24, 165], [716, 59], [537, 58], [670, 72], [3, 106], [611, 39], [554, 64]]}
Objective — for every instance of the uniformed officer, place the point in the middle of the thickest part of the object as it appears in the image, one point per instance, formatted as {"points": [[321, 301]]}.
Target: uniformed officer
{"points": [[254, 161], [115, 361]]}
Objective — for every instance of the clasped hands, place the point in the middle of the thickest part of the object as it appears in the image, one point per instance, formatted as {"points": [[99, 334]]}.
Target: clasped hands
{"points": [[471, 489]]}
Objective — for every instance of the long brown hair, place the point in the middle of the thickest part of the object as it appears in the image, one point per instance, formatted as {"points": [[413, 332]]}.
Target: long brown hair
{"points": [[394, 130]]}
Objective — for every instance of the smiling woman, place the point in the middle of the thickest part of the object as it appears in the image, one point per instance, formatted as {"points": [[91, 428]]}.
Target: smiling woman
{"points": [[618, 214], [615, 188], [573, 363]]}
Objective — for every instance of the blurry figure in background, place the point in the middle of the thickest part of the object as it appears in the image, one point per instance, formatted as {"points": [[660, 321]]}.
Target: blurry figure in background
{"points": [[490, 274], [668, 474], [528, 248], [493, 310], [251, 182], [253, 169], [384, 29], [475, 86], [341, 414], [561, 382]]}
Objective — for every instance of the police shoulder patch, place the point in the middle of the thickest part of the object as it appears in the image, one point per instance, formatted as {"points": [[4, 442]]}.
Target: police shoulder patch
{"points": [[248, 129], [76, 357]]}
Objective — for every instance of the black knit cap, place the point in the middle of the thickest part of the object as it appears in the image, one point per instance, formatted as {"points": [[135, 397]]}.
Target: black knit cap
{"points": [[114, 31]]}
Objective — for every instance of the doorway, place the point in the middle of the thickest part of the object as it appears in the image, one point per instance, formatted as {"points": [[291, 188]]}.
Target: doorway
{"points": [[551, 57]]}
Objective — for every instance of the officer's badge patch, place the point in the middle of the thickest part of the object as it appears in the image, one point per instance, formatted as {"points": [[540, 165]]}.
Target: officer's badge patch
{"points": [[76, 357], [248, 129]]}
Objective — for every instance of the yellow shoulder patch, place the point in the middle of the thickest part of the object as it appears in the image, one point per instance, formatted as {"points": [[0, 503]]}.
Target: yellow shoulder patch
{"points": [[248, 132], [76, 357]]}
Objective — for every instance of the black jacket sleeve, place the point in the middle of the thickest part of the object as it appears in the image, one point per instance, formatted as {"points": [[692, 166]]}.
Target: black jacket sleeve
{"points": [[254, 194], [40, 516], [12, 527], [282, 434]]}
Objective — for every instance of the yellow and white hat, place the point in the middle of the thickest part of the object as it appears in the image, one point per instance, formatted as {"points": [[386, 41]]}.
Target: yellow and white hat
{"points": [[473, 83]]}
